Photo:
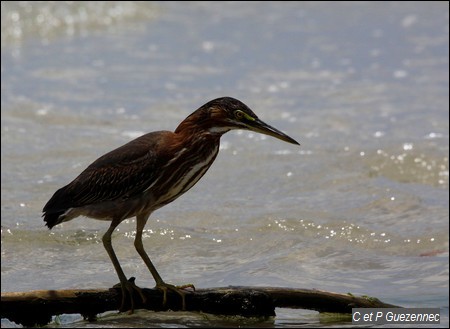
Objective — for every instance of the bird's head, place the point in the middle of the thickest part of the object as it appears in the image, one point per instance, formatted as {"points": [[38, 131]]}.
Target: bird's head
{"points": [[224, 114]]}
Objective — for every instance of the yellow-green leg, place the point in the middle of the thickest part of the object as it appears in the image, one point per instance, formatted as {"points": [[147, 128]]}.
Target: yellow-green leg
{"points": [[128, 287], [160, 284]]}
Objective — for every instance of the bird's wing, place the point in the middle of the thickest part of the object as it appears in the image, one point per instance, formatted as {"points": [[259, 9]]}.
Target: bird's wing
{"points": [[119, 174]]}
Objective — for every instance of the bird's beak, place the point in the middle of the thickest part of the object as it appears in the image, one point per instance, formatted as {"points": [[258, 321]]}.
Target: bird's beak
{"points": [[261, 127]]}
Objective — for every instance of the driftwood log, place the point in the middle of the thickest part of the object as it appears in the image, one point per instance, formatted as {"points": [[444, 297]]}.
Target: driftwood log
{"points": [[37, 307]]}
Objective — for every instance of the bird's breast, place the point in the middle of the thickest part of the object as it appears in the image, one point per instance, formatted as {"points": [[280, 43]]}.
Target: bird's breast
{"points": [[182, 172]]}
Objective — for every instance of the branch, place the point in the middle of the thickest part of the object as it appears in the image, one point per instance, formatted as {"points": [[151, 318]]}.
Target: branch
{"points": [[37, 307]]}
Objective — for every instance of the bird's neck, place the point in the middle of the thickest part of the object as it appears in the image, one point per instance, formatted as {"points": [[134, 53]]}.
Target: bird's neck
{"points": [[199, 124]]}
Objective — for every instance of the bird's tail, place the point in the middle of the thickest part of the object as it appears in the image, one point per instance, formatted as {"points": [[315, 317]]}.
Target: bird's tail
{"points": [[53, 218], [56, 207]]}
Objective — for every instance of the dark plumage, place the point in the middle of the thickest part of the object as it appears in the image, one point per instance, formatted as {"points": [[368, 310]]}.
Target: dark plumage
{"points": [[149, 172], [118, 176]]}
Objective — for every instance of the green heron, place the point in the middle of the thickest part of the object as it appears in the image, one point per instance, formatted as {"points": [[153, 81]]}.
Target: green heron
{"points": [[148, 173]]}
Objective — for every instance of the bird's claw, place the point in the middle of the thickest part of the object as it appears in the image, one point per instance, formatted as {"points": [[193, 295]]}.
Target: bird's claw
{"points": [[129, 288], [185, 286], [180, 290]]}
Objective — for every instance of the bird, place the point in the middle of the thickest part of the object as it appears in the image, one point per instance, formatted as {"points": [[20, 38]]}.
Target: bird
{"points": [[147, 173]]}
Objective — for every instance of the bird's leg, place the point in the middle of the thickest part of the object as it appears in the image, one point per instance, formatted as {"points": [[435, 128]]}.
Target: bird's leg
{"points": [[160, 284], [126, 285]]}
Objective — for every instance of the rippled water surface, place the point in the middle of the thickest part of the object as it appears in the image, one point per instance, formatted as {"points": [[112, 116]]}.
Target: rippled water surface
{"points": [[361, 206]]}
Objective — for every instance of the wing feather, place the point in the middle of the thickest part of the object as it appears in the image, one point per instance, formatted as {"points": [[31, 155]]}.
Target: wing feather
{"points": [[119, 174]]}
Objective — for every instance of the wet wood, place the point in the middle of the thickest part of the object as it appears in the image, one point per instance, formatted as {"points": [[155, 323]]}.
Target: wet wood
{"points": [[37, 307]]}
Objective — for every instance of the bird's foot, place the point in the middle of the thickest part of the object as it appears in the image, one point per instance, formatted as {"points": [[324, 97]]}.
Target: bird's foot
{"points": [[180, 290], [129, 288]]}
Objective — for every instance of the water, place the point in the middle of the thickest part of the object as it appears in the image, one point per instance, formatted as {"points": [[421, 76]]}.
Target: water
{"points": [[361, 206]]}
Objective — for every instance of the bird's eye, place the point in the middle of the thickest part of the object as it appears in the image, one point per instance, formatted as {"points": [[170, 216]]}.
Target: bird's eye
{"points": [[239, 115]]}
